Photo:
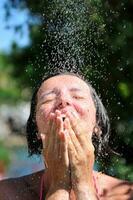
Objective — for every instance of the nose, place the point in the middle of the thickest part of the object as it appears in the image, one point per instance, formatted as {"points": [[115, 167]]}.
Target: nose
{"points": [[63, 100]]}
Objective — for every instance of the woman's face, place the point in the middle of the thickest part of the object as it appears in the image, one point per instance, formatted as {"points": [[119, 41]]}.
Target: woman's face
{"points": [[66, 93]]}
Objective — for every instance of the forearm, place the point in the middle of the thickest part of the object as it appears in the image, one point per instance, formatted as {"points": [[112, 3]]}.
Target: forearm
{"points": [[59, 194]]}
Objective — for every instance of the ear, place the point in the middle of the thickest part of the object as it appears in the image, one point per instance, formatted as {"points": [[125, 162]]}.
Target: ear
{"points": [[38, 135], [97, 130]]}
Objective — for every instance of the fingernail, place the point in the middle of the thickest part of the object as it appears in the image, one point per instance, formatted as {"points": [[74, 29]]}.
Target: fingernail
{"points": [[65, 132], [57, 112], [52, 114], [42, 136]]}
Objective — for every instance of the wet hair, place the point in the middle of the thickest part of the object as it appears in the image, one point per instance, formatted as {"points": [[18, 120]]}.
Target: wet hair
{"points": [[100, 141]]}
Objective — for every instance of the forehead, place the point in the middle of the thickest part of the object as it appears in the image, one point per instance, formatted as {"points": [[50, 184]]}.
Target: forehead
{"points": [[64, 81]]}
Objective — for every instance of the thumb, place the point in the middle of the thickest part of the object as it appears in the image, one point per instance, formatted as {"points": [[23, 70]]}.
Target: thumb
{"points": [[43, 137], [45, 145]]}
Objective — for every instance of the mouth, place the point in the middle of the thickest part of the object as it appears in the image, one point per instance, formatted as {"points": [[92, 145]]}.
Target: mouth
{"points": [[63, 117], [64, 111]]}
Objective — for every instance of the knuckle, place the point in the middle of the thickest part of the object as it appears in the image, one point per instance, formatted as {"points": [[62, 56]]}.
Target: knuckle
{"points": [[91, 147], [80, 160]]}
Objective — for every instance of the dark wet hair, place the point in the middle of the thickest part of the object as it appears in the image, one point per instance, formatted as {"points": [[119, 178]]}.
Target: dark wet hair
{"points": [[100, 141]]}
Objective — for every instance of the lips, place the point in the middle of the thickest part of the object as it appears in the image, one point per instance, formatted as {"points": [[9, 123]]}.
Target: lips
{"points": [[63, 112], [63, 116]]}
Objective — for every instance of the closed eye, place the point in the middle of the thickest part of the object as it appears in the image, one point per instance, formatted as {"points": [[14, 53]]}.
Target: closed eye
{"points": [[47, 101], [77, 97]]}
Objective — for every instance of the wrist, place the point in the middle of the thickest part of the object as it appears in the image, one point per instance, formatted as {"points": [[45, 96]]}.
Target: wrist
{"points": [[85, 191], [83, 183]]}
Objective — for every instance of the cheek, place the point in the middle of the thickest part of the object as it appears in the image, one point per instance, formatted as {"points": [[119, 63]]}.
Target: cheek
{"points": [[87, 113], [79, 109], [42, 117], [43, 113]]}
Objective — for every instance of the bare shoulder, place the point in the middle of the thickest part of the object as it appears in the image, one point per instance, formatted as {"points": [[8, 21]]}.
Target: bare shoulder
{"points": [[113, 187], [24, 187]]}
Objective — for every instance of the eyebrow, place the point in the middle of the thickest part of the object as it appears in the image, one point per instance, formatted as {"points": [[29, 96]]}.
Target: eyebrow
{"points": [[46, 94], [74, 89]]}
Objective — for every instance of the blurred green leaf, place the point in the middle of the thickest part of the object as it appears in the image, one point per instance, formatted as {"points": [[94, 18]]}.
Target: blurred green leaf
{"points": [[124, 89]]}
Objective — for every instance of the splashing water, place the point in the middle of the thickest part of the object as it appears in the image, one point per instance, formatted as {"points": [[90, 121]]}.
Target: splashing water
{"points": [[71, 33]]}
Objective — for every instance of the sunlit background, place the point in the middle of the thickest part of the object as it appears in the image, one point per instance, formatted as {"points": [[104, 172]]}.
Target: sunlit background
{"points": [[14, 100], [95, 37]]}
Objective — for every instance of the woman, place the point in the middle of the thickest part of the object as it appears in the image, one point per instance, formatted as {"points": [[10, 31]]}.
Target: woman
{"points": [[69, 125]]}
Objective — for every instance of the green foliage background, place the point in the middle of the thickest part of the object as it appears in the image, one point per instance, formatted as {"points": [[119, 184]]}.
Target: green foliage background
{"points": [[101, 35]]}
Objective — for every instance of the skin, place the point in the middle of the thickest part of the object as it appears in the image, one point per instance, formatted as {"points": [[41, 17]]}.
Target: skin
{"points": [[70, 140], [68, 149]]}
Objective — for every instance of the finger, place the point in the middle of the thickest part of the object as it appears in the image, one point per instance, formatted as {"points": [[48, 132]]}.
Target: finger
{"points": [[71, 149], [119, 191], [74, 121], [122, 188], [45, 138], [60, 123], [79, 131], [50, 121], [119, 197], [63, 153], [44, 142], [72, 136], [51, 135], [49, 148], [57, 133]]}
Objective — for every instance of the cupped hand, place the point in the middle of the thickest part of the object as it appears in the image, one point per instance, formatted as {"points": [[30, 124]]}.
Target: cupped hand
{"points": [[81, 155], [56, 153]]}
